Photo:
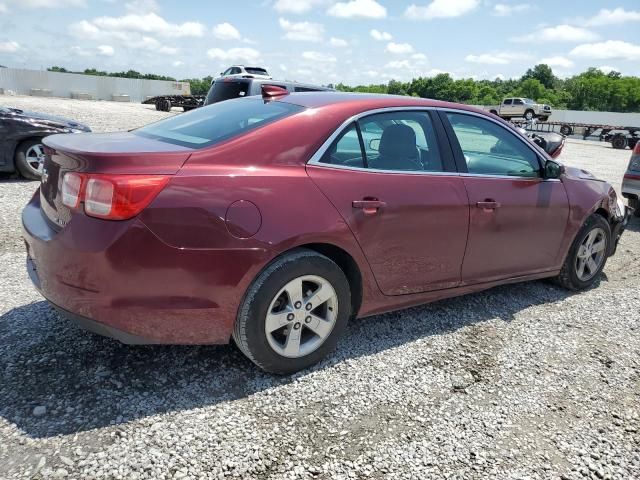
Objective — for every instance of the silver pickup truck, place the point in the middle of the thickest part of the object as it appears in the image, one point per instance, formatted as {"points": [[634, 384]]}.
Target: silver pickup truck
{"points": [[519, 107]]}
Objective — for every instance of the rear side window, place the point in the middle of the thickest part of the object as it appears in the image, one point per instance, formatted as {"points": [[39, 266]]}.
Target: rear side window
{"points": [[490, 149], [226, 90], [507, 101], [256, 71], [394, 141], [345, 150], [207, 126]]}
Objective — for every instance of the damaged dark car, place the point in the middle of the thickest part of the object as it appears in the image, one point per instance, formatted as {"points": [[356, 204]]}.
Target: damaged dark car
{"points": [[21, 134]]}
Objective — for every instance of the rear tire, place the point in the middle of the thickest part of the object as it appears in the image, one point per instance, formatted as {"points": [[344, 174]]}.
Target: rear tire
{"points": [[29, 159], [566, 130], [619, 142], [271, 302], [584, 264]]}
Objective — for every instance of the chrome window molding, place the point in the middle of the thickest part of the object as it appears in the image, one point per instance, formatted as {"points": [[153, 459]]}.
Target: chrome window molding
{"points": [[317, 157]]}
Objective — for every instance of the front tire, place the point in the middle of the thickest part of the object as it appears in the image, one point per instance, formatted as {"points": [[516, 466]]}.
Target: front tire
{"points": [[587, 255], [29, 159], [528, 115], [293, 313]]}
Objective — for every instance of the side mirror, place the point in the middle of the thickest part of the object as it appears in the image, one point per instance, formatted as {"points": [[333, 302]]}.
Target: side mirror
{"points": [[553, 169], [374, 144]]}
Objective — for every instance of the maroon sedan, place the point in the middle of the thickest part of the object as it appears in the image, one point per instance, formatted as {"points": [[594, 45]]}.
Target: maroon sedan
{"points": [[275, 220]]}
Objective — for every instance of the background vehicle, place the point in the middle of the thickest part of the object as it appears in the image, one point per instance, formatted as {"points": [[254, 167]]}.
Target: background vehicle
{"points": [[631, 181], [520, 107], [272, 220], [247, 72], [232, 87], [21, 134]]}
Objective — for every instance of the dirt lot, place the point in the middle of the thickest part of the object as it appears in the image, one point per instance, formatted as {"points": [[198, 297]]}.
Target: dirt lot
{"points": [[524, 381]]}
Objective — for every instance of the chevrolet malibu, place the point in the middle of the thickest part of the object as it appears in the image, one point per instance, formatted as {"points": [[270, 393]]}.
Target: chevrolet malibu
{"points": [[274, 220]]}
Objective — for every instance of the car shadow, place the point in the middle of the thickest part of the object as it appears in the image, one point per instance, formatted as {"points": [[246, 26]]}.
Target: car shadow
{"points": [[87, 382], [634, 224]]}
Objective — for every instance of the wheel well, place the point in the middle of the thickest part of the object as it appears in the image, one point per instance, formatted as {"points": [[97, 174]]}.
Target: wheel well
{"points": [[348, 265], [603, 213]]}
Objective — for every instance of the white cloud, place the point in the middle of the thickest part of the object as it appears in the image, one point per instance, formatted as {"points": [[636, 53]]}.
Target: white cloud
{"points": [[338, 42], [380, 36], [557, 61], [607, 69], [612, 17], [559, 33], [178, 63], [150, 23], [358, 8], [9, 47], [302, 31], [106, 50], [607, 50], [296, 6], [441, 9], [500, 58], [3, 8], [142, 6], [152, 45], [419, 56], [226, 31], [235, 55], [398, 48], [319, 57], [398, 64], [505, 10], [39, 4]]}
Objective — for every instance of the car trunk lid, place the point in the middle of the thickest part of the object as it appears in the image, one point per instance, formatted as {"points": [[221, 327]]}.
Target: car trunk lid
{"points": [[115, 153]]}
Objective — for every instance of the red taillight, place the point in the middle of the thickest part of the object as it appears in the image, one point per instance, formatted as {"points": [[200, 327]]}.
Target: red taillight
{"points": [[72, 189], [112, 197]]}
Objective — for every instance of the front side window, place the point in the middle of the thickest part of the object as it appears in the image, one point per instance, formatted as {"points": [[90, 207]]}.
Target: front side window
{"points": [[518, 101], [490, 149], [215, 123]]}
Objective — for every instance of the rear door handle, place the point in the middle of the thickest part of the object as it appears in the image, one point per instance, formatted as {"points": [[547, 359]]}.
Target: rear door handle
{"points": [[369, 207], [488, 205]]}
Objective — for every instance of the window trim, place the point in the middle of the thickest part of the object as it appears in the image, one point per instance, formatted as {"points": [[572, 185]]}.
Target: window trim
{"points": [[459, 155], [444, 145]]}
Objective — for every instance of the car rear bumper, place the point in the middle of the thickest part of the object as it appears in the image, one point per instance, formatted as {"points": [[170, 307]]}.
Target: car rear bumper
{"points": [[118, 279]]}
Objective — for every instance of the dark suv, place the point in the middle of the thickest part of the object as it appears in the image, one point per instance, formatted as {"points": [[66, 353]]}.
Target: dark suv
{"points": [[226, 88]]}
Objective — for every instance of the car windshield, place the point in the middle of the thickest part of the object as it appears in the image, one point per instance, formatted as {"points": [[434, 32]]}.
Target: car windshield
{"points": [[256, 71], [213, 124]]}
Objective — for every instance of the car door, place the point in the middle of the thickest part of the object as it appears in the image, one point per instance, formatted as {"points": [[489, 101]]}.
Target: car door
{"points": [[4, 138], [517, 218], [507, 107], [518, 107], [394, 183]]}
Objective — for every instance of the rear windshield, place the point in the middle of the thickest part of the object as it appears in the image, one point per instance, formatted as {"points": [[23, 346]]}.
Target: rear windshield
{"points": [[226, 90], [207, 126], [256, 71]]}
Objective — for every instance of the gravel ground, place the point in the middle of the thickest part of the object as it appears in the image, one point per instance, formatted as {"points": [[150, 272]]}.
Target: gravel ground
{"points": [[524, 381]]}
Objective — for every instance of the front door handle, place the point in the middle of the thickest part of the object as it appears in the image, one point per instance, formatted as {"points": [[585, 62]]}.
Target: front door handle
{"points": [[488, 205], [369, 206]]}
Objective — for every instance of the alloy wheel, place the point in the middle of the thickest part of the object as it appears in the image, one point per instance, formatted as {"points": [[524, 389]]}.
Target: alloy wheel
{"points": [[35, 158], [301, 316], [591, 254]]}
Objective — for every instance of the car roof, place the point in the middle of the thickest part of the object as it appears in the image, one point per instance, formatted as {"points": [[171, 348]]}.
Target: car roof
{"points": [[360, 102]]}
